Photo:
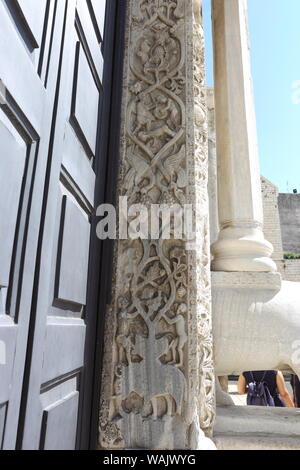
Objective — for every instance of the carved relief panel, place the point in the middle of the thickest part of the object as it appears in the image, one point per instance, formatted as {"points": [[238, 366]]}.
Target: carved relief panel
{"points": [[158, 389]]}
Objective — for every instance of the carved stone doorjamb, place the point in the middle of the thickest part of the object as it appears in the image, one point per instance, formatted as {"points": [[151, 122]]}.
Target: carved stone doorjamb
{"points": [[158, 378]]}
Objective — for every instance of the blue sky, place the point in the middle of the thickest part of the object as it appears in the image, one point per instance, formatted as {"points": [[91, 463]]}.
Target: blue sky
{"points": [[275, 55]]}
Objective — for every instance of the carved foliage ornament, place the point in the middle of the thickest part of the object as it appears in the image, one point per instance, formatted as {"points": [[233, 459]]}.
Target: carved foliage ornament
{"points": [[161, 352], [155, 168]]}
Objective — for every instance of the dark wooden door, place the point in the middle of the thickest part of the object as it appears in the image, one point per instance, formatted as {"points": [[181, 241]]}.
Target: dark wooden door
{"points": [[51, 100]]}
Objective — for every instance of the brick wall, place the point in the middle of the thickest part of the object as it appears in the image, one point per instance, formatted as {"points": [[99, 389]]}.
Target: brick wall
{"points": [[289, 269], [289, 212], [272, 228]]}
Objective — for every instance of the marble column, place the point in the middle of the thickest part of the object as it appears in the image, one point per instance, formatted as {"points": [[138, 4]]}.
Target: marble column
{"points": [[158, 377], [241, 245]]}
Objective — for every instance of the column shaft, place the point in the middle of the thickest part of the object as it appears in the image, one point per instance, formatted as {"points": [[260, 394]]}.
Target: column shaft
{"points": [[241, 245]]}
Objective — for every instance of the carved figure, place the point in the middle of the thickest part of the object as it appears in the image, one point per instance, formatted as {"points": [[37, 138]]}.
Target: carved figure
{"points": [[166, 110], [177, 344], [163, 152], [143, 53], [144, 116], [172, 168], [138, 172], [163, 382], [125, 337]]}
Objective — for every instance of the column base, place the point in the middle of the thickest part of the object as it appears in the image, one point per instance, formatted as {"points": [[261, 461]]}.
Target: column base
{"points": [[242, 250]]}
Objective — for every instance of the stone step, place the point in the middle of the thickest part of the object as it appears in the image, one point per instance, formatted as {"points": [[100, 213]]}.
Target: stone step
{"points": [[258, 442], [253, 428]]}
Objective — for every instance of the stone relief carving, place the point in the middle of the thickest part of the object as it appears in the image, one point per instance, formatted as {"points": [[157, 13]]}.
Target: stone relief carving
{"points": [[202, 262], [156, 110], [161, 348], [163, 394], [126, 333], [180, 338]]}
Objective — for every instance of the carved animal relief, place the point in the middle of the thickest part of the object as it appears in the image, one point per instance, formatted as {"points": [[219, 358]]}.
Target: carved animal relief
{"points": [[155, 161], [162, 330]]}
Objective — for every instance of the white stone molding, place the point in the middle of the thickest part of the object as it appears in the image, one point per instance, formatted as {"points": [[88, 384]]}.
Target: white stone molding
{"points": [[255, 323]]}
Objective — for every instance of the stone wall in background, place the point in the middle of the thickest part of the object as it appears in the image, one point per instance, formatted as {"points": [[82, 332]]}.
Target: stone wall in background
{"points": [[289, 269], [289, 212], [272, 229]]}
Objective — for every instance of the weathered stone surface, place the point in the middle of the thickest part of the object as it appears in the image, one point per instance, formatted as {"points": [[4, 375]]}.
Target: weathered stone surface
{"points": [[256, 442], [257, 428], [289, 269], [256, 323], [272, 229], [258, 420], [212, 168], [158, 380], [289, 211]]}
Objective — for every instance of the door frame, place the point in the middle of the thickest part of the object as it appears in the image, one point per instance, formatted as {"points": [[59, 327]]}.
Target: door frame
{"points": [[100, 273]]}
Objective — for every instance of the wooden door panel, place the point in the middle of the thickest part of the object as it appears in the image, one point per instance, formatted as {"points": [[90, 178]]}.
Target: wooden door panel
{"points": [[59, 426], [50, 95], [12, 168], [51, 17], [65, 336], [85, 102], [31, 433], [59, 405], [8, 336], [77, 166], [32, 14], [3, 410], [17, 74], [72, 260], [59, 340], [98, 8], [27, 108], [87, 34], [17, 160]]}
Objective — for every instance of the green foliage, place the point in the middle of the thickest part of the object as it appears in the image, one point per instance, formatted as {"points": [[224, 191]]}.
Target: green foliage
{"points": [[291, 256]]}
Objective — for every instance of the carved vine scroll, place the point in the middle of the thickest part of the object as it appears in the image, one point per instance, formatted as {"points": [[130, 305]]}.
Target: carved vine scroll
{"points": [[158, 385]]}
